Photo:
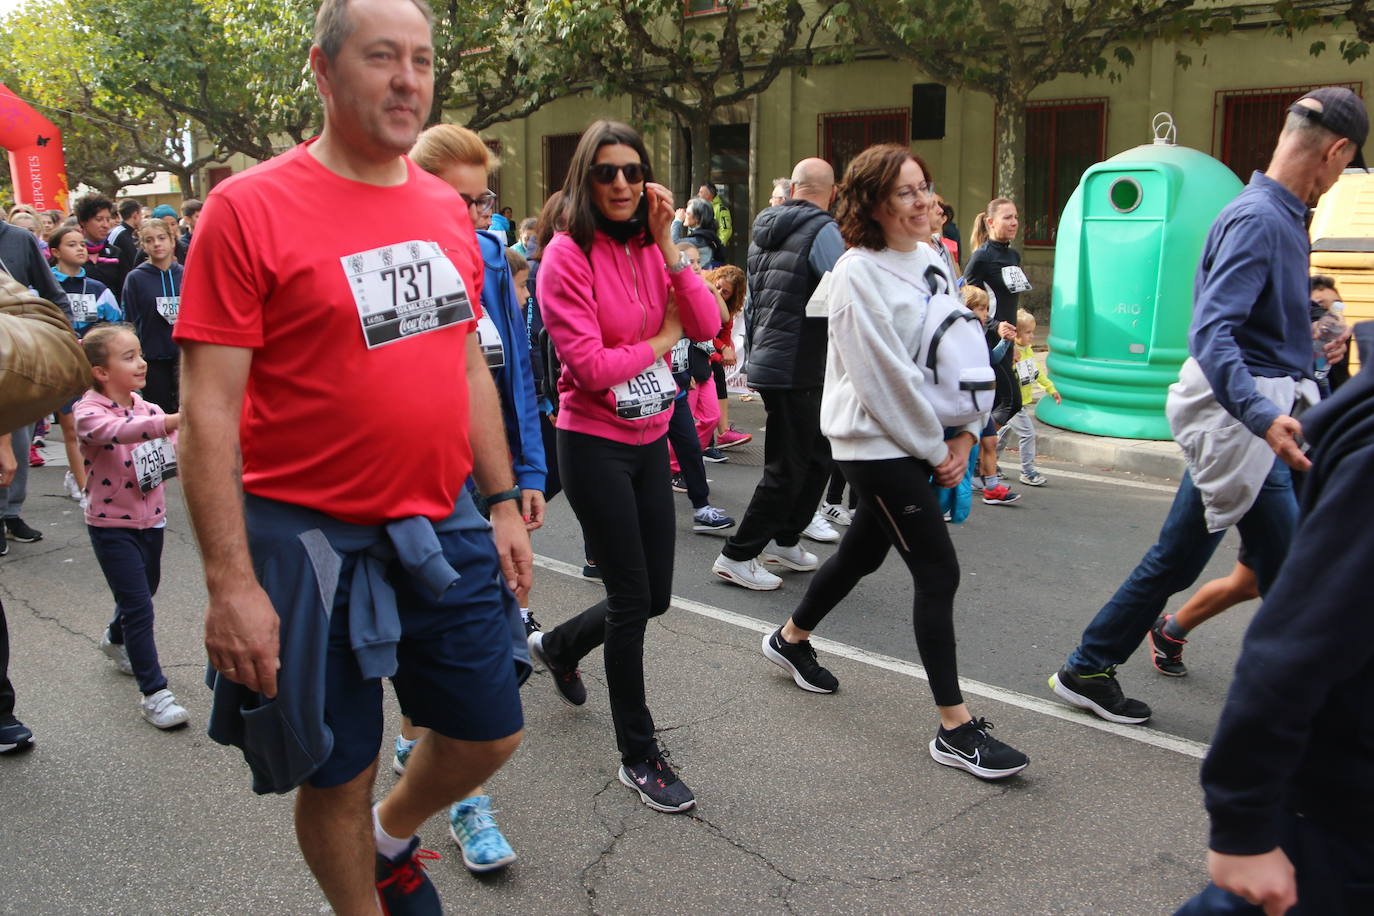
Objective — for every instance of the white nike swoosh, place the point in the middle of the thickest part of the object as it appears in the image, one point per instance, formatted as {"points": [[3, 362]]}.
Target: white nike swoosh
{"points": [[973, 758]]}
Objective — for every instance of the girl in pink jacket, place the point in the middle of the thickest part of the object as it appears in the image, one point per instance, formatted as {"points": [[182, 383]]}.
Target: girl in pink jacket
{"points": [[127, 444], [616, 294]]}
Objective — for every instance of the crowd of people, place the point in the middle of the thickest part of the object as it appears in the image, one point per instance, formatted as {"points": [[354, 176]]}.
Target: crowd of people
{"points": [[585, 351]]}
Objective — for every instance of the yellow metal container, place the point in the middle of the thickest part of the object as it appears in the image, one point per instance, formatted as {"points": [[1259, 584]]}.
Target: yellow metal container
{"points": [[1343, 245]]}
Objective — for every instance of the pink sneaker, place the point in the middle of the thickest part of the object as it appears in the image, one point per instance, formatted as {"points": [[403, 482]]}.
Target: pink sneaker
{"points": [[731, 438], [35, 457]]}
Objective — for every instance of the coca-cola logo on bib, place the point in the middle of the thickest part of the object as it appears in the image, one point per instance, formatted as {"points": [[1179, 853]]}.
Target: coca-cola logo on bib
{"points": [[425, 321]]}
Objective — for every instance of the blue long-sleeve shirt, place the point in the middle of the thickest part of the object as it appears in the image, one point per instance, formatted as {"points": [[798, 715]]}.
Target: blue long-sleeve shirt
{"points": [[1250, 300], [514, 380]]}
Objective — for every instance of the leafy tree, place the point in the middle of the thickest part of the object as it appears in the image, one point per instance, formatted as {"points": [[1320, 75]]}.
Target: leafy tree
{"points": [[106, 144], [1007, 49], [1292, 18], [688, 66], [236, 69], [496, 59]]}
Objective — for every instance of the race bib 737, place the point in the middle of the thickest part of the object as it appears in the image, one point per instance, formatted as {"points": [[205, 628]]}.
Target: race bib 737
{"points": [[405, 289]]}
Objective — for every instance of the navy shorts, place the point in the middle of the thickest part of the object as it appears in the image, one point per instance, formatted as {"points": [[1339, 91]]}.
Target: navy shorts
{"points": [[454, 670]]}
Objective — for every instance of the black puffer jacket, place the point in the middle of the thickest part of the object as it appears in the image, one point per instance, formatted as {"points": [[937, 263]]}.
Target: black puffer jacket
{"points": [[786, 349]]}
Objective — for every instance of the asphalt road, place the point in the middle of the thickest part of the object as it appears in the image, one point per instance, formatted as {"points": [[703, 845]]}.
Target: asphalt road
{"points": [[807, 804], [1032, 575]]}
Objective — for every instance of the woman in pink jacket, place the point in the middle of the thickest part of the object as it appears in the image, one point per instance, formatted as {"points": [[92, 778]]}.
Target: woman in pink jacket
{"points": [[616, 294]]}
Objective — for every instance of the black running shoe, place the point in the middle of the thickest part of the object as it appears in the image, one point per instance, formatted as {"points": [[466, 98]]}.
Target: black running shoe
{"points": [[1100, 694], [970, 747], [531, 626], [19, 531], [799, 660], [403, 885], [14, 736], [1168, 652], [714, 455], [568, 681], [657, 784], [679, 483], [591, 571]]}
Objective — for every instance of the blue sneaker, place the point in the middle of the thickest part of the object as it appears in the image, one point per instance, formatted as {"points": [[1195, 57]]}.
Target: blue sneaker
{"points": [[404, 749], [473, 828], [404, 887]]}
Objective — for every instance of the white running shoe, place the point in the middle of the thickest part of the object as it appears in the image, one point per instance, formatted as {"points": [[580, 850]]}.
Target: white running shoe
{"points": [[116, 653], [820, 530], [162, 710], [69, 481], [747, 573], [836, 514], [795, 557]]}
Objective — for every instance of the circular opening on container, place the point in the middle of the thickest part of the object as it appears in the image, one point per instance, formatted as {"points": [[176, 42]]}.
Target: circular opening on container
{"points": [[1125, 195]]}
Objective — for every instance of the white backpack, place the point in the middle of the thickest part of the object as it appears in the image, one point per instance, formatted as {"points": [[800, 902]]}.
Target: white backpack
{"points": [[953, 355]]}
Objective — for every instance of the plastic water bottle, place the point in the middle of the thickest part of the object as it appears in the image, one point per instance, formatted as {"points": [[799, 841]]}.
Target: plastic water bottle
{"points": [[1329, 327]]}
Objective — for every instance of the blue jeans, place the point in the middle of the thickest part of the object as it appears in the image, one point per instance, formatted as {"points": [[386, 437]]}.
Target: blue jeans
{"points": [[1178, 558], [1335, 874], [131, 559]]}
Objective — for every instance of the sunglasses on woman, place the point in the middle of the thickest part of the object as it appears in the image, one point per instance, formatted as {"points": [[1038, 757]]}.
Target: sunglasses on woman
{"points": [[604, 172]]}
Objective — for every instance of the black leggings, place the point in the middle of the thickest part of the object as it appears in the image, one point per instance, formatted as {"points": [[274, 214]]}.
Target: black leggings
{"points": [[834, 491], [623, 499], [1007, 397], [897, 507]]}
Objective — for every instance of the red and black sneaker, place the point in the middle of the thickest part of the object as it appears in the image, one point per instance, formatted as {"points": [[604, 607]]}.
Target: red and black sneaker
{"points": [[403, 886], [1168, 652], [567, 681], [657, 784]]}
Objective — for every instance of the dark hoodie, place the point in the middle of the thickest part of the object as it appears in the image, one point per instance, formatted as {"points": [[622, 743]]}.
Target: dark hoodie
{"points": [[786, 349], [151, 297], [1297, 730]]}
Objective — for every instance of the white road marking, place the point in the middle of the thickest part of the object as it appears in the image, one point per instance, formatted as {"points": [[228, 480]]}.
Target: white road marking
{"points": [[1162, 740], [1056, 473]]}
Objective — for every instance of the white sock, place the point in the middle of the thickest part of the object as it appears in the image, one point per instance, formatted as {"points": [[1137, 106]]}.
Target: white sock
{"points": [[403, 742], [990, 481], [387, 845], [525, 614]]}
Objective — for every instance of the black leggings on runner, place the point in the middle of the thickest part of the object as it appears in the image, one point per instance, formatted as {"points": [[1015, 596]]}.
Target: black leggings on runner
{"points": [[897, 507], [834, 491], [623, 499]]}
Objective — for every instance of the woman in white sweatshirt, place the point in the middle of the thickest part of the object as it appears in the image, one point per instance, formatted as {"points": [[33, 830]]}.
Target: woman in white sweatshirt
{"points": [[889, 442]]}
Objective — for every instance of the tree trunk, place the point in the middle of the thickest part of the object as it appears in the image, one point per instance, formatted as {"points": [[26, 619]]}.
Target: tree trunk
{"points": [[186, 181], [1011, 148], [701, 151]]}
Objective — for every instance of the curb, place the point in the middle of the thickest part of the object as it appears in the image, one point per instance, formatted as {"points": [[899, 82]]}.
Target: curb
{"points": [[1131, 456]]}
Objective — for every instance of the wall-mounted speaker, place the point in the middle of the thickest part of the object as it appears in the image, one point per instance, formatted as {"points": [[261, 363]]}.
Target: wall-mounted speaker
{"points": [[927, 111]]}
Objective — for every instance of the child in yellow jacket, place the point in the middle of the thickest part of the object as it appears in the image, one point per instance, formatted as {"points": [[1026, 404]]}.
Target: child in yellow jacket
{"points": [[1029, 373]]}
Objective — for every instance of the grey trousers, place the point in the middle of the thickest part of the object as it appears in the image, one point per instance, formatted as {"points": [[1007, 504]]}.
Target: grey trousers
{"points": [[12, 497]]}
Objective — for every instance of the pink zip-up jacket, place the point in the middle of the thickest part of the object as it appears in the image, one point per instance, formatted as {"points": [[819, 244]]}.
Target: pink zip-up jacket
{"points": [[600, 311], [108, 435]]}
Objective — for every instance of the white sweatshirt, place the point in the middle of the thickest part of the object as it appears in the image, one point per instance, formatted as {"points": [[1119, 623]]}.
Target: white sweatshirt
{"points": [[873, 408]]}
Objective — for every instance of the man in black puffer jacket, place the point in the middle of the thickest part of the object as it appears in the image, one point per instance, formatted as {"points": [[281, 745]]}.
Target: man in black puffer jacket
{"points": [[794, 245]]}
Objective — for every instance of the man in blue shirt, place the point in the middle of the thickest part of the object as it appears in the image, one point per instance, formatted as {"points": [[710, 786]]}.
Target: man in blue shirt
{"points": [[1251, 345]]}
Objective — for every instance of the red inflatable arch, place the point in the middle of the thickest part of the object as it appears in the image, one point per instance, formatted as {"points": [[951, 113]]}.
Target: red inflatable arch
{"points": [[34, 144]]}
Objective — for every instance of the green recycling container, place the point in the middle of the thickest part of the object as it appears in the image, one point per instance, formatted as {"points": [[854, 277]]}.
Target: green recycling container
{"points": [[1128, 248]]}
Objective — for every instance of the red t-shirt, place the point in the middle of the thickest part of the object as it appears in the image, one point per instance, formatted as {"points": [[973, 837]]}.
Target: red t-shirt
{"points": [[357, 400]]}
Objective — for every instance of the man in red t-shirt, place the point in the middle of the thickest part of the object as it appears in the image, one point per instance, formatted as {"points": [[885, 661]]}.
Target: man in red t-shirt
{"points": [[304, 342]]}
